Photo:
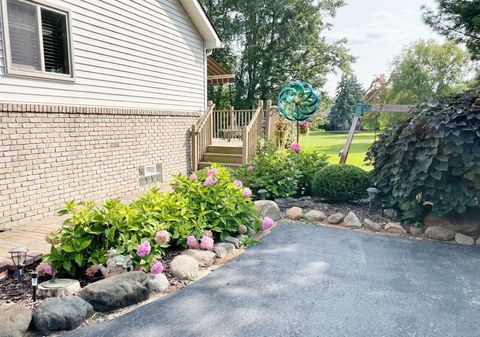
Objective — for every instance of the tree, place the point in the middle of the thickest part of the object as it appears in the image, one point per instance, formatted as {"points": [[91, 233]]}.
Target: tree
{"points": [[425, 70], [275, 41], [349, 93], [458, 20]]}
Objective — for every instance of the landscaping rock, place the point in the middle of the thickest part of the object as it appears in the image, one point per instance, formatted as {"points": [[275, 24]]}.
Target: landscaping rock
{"points": [[158, 283], [118, 291], [315, 216], [15, 320], [65, 313], [372, 226], [294, 213], [414, 230], [250, 232], [184, 267], [439, 233], [478, 242], [223, 248], [395, 228], [352, 221], [268, 208], [204, 257], [234, 241], [336, 218], [304, 202], [468, 222], [463, 239], [390, 213]]}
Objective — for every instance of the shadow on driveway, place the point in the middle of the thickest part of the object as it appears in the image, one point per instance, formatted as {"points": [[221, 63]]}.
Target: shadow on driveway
{"points": [[308, 281]]}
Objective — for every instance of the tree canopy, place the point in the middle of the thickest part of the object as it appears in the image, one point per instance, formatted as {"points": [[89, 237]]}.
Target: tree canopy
{"points": [[425, 70], [271, 42], [458, 20], [349, 93]]}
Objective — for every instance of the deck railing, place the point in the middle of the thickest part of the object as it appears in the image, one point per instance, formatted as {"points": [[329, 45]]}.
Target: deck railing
{"points": [[202, 135], [228, 124], [251, 133]]}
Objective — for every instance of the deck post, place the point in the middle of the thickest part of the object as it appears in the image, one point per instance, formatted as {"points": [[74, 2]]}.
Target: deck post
{"points": [[260, 118], [194, 148], [245, 145]]}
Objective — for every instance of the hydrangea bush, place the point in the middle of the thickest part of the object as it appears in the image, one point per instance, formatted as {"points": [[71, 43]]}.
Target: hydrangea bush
{"points": [[204, 202]]}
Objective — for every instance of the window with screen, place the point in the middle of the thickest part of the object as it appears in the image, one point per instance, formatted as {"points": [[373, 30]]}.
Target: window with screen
{"points": [[37, 39]]}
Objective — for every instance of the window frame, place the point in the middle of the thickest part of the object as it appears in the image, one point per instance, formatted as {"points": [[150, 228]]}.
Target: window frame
{"points": [[11, 70]]}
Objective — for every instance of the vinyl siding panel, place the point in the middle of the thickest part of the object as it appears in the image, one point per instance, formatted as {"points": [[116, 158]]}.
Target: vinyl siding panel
{"points": [[127, 53], [2, 52]]}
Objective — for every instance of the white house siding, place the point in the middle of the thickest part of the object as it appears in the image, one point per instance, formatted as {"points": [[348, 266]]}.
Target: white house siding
{"points": [[2, 58], [127, 53]]}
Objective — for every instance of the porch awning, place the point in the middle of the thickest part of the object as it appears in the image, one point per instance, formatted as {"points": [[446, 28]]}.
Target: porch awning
{"points": [[216, 74]]}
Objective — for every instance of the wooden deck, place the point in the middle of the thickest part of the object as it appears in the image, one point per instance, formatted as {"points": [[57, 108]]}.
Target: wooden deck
{"points": [[223, 142]]}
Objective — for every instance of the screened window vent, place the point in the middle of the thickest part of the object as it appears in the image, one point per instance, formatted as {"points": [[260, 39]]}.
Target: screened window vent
{"points": [[150, 170], [150, 174]]}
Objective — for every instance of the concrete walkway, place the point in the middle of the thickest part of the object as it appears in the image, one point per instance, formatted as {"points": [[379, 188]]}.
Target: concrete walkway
{"points": [[309, 281]]}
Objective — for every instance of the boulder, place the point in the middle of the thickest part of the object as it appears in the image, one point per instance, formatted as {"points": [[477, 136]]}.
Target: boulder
{"points": [[352, 221], [223, 248], [65, 313], [315, 216], [468, 222], [336, 218], [268, 208], [395, 228], [15, 320], [204, 257], [234, 241], [439, 233], [117, 291], [294, 213], [158, 283], [304, 202], [478, 242], [184, 267], [390, 213], [463, 239], [415, 230], [57, 287], [372, 226]]}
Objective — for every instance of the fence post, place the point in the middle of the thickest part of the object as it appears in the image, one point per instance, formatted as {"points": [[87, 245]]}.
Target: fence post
{"points": [[194, 148], [232, 117]]}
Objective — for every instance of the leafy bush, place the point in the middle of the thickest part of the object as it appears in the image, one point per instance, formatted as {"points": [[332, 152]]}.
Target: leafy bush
{"points": [[432, 160], [341, 183], [308, 163], [193, 207], [273, 170]]}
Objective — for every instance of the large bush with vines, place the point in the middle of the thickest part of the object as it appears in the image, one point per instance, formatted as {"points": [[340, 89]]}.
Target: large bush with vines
{"points": [[433, 160]]}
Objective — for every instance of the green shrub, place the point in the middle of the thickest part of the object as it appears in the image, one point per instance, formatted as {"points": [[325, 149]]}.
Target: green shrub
{"points": [[341, 183], [273, 170], [433, 160], [190, 209], [308, 163]]}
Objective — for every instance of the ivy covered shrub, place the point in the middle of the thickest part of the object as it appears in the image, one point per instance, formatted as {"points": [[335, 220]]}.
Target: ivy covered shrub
{"points": [[281, 172], [433, 160], [341, 183], [206, 201]]}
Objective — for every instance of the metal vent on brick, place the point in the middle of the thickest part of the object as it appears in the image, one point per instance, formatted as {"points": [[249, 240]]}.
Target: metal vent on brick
{"points": [[150, 174]]}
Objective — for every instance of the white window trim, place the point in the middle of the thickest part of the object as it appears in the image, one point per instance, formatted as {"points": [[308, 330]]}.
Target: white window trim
{"points": [[12, 71]]}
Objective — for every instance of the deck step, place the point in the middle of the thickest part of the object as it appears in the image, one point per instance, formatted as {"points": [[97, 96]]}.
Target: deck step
{"points": [[224, 149], [204, 164], [222, 158]]}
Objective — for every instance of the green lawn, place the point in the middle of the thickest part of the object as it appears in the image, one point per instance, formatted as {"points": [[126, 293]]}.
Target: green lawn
{"points": [[331, 143]]}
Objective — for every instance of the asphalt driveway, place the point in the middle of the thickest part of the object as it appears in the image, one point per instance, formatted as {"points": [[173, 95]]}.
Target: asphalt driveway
{"points": [[306, 281]]}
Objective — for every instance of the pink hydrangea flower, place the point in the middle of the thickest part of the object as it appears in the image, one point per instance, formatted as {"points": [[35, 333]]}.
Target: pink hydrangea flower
{"points": [[267, 223], [144, 249], [157, 267], [247, 193], [210, 181], [238, 183], [192, 242], [295, 147], [206, 243], [45, 268], [162, 237], [193, 177], [212, 172], [250, 168]]}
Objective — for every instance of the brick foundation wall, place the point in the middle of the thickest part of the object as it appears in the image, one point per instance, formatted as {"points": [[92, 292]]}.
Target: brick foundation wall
{"points": [[52, 154]]}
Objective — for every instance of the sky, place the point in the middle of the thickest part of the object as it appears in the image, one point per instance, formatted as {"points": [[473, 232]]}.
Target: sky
{"points": [[377, 31]]}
